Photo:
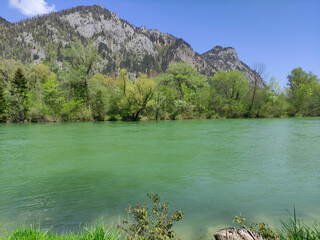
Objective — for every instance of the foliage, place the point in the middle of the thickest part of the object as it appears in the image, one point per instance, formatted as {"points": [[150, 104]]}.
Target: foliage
{"points": [[138, 94], [78, 91], [241, 220], [18, 99], [3, 104], [229, 95], [19, 83], [98, 106], [80, 64], [259, 70], [52, 96], [294, 230], [27, 234], [158, 103], [154, 223], [303, 93], [97, 232], [185, 91], [265, 231], [100, 232], [184, 78]]}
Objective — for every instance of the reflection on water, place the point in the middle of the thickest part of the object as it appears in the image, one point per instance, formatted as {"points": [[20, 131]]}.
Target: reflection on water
{"points": [[61, 175]]}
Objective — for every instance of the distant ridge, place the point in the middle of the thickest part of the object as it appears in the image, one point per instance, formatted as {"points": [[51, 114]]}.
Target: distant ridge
{"points": [[3, 21], [120, 44]]}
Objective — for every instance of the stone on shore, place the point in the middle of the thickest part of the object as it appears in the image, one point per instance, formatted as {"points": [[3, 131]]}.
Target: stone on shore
{"points": [[237, 234]]}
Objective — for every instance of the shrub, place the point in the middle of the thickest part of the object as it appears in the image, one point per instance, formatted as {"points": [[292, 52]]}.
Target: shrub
{"points": [[154, 223]]}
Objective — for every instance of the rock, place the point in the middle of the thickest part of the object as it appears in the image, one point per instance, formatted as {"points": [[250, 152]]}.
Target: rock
{"points": [[237, 234], [227, 234], [120, 44]]}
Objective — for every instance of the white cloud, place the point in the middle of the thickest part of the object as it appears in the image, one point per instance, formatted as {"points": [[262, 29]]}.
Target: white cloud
{"points": [[32, 7]]}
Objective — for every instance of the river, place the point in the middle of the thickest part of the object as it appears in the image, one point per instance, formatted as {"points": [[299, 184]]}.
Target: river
{"points": [[60, 175]]}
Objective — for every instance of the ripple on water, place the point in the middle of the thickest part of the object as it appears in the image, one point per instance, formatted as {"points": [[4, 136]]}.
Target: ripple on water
{"points": [[60, 175]]}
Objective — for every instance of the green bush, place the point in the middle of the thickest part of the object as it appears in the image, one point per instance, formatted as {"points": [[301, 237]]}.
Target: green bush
{"points": [[154, 223]]}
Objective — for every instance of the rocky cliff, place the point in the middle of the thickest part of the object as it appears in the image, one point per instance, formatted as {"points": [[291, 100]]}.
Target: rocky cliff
{"points": [[120, 44]]}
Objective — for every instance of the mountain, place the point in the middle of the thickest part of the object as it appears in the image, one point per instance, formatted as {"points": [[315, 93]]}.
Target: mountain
{"points": [[3, 21], [119, 43]]}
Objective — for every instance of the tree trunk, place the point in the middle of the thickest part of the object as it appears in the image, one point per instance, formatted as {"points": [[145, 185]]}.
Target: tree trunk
{"points": [[136, 115], [253, 94], [253, 98], [87, 92]]}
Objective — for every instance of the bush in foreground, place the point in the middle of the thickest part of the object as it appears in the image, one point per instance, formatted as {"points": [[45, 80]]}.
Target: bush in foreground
{"points": [[148, 224], [155, 223]]}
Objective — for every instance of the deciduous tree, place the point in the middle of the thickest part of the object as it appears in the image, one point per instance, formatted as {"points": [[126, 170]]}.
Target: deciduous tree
{"points": [[302, 91], [138, 94], [259, 69]]}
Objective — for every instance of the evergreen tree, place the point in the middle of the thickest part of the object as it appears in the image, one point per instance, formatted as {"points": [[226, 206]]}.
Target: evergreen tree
{"points": [[20, 83], [98, 107], [18, 104], [2, 104]]}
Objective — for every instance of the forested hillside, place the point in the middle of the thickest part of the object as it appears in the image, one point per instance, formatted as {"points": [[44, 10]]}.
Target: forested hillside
{"points": [[79, 92], [120, 45], [86, 64]]}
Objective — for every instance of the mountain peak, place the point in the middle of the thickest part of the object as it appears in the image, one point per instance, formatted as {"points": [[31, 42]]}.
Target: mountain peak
{"points": [[219, 51], [119, 43], [90, 8]]}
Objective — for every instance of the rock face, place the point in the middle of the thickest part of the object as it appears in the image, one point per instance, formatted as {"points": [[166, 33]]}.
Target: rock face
{"points": [[120, 44], [240, 234]]}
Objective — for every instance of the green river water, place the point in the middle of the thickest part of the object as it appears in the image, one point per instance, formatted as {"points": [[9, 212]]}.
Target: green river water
{"points": [[61, 175]]}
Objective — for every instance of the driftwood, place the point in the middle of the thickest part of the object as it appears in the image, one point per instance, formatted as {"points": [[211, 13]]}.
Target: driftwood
{"points": [[237, 234]]}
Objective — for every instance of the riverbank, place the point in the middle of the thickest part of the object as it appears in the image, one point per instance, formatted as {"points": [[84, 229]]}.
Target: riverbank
{"points": [[49, 120], [290, 229], [180, 93], [98, 232]]}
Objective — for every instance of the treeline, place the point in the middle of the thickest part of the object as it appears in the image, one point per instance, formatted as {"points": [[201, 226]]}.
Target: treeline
{"points": [[77, 92]]}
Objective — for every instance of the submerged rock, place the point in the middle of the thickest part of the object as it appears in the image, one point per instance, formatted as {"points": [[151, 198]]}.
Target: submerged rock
{"points": [[237, 234]]}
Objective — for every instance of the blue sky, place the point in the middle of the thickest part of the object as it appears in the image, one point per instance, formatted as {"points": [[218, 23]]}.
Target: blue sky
{"points": [[282, 34]]}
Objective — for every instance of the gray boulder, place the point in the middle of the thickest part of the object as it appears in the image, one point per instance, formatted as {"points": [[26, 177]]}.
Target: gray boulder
{"points": [[237, 234]]}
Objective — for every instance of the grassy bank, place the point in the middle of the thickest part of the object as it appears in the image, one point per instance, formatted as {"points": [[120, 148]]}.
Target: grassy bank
{"points": [[290, 229], [145, 222], [98, 232]]}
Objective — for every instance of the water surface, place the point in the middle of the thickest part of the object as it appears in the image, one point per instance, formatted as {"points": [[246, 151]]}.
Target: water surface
{"points": [[60, 175]]}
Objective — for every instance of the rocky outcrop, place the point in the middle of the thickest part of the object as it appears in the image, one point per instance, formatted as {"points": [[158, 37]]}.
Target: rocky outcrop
{"points": [[120, 44], [237, 234]]}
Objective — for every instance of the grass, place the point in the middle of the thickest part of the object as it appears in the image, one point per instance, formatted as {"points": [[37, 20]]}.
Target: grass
{"points": [[291, 229], [98, 232]]}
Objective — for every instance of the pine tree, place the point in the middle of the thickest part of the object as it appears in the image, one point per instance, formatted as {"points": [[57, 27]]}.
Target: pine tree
{"points": [[20, 83], [98, 107], [18, 100], [2, 104]]}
